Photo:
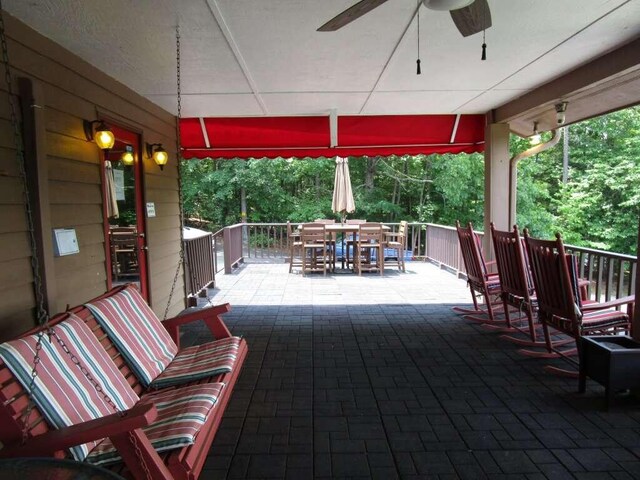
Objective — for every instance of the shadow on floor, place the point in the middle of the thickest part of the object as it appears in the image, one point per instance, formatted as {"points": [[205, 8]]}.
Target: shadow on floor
{"points": [[406, 391]]}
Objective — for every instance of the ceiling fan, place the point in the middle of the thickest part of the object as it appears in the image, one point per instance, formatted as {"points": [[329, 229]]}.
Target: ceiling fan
{"points": [[469, 16]]}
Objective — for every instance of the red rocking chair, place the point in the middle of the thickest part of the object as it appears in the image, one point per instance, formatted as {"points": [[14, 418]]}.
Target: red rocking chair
{"points": [[482, 284], [560, 305], [518, 292]]}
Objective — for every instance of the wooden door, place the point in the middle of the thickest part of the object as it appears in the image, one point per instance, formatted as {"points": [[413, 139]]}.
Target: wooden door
{"points": [[124, 212]]}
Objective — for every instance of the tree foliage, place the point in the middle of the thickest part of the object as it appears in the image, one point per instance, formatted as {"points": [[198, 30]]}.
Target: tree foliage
{"points": [[598, 207]]}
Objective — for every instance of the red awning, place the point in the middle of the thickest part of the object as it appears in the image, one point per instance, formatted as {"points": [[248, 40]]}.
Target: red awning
{"points": [[357, 135]]}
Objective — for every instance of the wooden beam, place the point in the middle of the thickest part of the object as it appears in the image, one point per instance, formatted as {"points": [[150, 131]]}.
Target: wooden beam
{"points": [[607, 67], [34, 138]]}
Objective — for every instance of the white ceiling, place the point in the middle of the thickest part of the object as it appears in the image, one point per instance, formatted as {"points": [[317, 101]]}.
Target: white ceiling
{"points": [[264, 57]]}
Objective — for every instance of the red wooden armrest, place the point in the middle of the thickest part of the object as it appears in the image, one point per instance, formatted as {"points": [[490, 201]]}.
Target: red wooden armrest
{"points": [[54, 440], [630, 299], [209, 315]]}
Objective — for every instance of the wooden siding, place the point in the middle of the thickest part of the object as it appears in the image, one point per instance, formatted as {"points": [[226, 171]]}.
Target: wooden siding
{"points": [[70, 91], [16, 280]]}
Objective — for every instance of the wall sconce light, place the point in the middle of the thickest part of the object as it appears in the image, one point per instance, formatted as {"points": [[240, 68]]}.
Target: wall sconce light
{"points": [[158, 153], [127, 157], [535, 139], [561, 109], [102, 135]]}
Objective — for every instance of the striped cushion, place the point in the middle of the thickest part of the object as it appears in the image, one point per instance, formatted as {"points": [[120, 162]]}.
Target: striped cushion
{"points": [[136, 331], [603, 319], [200, 361], [64, 394], [181, 414], [592, 321]]}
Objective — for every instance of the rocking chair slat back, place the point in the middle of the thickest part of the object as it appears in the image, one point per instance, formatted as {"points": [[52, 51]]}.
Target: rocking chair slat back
{"points": [[552, 279], [512, 263], [471, 254]]}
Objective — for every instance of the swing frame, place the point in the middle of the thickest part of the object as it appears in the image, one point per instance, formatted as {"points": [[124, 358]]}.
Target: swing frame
{"points": [[42, 440]]}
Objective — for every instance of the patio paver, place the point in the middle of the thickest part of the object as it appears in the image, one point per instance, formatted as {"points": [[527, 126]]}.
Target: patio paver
{"points": [[376, 377]]}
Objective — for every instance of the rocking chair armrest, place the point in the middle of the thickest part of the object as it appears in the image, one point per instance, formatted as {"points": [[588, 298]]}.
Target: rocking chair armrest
{"points": [[210, 316], [52, 441], [628, 300]]}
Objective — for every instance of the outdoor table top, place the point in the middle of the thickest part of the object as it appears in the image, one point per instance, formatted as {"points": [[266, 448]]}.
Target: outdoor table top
{"points": [[344, 227]]}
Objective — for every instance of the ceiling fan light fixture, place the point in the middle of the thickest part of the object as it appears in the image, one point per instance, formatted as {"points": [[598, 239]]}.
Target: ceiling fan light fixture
{"points": [[446, 5]]}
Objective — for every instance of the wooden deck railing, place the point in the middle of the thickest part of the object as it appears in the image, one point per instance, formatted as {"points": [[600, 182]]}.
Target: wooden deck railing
{"points": [[199, 263], [611, 275]]}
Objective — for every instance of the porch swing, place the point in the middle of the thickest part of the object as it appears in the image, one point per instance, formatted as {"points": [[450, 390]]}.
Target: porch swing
{"points": [[81, 386]]}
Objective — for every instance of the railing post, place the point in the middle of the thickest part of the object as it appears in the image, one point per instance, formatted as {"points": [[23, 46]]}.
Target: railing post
{"points": [[226, 236]]}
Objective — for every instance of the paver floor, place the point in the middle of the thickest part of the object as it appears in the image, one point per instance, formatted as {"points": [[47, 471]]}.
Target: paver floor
{"points": [[370, 377]]}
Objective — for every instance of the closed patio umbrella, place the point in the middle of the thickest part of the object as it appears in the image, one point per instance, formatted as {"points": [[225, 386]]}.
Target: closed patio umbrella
{"points": [[112, 203], [343, 202]]}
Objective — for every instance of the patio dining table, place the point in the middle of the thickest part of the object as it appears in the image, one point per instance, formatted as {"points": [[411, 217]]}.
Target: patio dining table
{"points": [[335, 228]]}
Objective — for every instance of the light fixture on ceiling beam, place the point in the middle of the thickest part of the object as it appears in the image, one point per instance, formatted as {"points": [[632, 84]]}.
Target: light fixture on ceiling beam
{"points": [[536, 138], [158, 154], [561, 110], [102, 134]]}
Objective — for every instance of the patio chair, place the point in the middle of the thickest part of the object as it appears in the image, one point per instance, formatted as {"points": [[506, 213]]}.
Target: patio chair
{"points": [[315, 250], [369, 251], [396, 241], [351, 241], [518, 292], [482, 284], [331, 240], [560, 306], [295, 247], [123, 242]]}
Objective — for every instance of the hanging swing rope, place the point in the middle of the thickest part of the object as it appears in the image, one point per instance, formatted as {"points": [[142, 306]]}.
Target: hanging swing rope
{"points": [[179, 160]]}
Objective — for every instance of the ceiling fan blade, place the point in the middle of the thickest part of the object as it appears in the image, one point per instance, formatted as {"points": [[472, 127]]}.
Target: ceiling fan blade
{"points": [[472, 19], [350, 14]]}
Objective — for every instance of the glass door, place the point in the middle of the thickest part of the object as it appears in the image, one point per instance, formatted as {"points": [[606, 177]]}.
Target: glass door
{"points": [[124, 218]]}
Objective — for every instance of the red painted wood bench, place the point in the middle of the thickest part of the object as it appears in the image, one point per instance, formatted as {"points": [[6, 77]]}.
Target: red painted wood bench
{"points": [[139, 458]]}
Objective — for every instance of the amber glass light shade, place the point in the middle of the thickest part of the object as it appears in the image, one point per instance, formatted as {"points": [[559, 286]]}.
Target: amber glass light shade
{"points": [[104, 137], [127, 158], [161, 157]]}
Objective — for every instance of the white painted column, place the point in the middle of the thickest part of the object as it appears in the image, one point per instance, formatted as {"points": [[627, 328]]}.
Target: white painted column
{"points": [[496, 181]]}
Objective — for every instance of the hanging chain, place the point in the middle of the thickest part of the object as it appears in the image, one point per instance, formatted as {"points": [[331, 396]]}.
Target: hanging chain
{"points": [[179, 160], [418, 69], [136, 446], [41, 312], [106, 398], [85, 372]]}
